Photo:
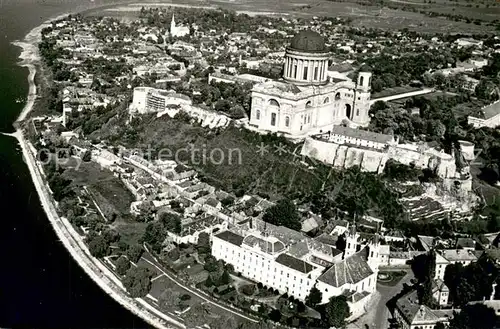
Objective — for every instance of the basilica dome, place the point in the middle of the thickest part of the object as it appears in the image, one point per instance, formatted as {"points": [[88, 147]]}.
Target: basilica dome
{"points": [[308, 41]]}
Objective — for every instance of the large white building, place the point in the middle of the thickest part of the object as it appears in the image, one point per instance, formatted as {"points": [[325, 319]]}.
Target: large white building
{"points": [[292, 263], [490, 117], [307, 100], [148, 100], [178, 31]]}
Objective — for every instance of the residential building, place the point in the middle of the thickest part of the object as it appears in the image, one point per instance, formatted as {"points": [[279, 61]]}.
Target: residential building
{"points": [[146, 100], [411, 315], [490, 117]]}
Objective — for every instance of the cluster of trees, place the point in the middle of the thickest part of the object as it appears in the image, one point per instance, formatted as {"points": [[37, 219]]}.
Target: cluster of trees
{"points": [[334, 313], [357, 193], [400, 172], [472, 282], [391, 72], [283, 213], [59, 185], [137, 281], [475, 316], [156, 231], [218, 272], [232, 99]]}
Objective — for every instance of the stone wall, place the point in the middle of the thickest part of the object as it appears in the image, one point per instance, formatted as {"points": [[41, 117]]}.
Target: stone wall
{"points": [[345, 156], [206, 118]]}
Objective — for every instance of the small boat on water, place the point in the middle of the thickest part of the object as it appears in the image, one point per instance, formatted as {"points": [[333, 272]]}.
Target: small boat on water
{"points": [[19, 100]]}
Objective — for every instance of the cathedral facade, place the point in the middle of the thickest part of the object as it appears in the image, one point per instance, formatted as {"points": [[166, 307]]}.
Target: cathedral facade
{"points": [[307, 101]]}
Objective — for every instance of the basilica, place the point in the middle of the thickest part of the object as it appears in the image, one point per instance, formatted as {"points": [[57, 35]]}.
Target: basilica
{"points": [[307, 100]]}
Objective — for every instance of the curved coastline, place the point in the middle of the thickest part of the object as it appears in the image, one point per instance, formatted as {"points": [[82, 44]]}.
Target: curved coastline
{"points": [[71, 239]]}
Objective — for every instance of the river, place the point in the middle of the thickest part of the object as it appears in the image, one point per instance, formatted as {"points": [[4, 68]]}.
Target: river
{"points": [[40, 284]]}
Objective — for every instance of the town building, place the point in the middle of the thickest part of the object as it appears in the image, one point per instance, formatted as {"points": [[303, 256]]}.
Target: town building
{"points": [[307, 100], [412, 315], [490, 117], [147, 100], [178, 30], [453, 256], [292, 263]]}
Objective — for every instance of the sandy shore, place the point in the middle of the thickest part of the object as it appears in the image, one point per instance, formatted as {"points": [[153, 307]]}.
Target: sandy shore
{"points": [[66, 233]]}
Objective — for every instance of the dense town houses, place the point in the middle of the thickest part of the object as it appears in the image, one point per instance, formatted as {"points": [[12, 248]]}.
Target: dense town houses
{"points": [[283, 78]]}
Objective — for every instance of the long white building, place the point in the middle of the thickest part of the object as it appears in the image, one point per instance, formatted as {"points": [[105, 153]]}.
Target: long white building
{"points": [[148, 100], [286, 260]]}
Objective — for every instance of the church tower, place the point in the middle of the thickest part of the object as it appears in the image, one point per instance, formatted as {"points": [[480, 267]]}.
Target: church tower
{"points": [[374, 253], [351, 244], [172, 25], [362, 99]]}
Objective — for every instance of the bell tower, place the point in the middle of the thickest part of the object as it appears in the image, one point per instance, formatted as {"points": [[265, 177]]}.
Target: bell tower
{"points": [[351, 244], [374, 253], [362, 96]]}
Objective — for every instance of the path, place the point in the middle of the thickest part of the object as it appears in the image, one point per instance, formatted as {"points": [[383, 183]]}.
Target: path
{"points": [[194, 292], [404, 95]]}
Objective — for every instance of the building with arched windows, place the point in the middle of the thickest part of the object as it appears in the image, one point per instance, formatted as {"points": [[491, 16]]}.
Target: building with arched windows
{"points": [[307, 100]]}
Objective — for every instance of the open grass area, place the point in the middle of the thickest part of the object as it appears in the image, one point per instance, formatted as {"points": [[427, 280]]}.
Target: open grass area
{"points": [[115, 192], [390, 15], [130, 231]]}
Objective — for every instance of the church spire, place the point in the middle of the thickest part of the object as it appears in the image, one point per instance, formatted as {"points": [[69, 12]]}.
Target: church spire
{"points": [[172, 24]]}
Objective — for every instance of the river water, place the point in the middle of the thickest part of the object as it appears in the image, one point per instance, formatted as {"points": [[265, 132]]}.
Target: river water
{"points": [[40, 284]]}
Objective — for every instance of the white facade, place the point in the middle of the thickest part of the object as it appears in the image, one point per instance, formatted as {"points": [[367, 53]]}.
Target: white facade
{"points": [[146, 100], [178, 31], [264, 266], [491, 117], [307, 101], [266, 259]]}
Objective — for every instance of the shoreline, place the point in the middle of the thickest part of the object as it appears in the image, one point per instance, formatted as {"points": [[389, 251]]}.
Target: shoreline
{"points": [[72, 241]]}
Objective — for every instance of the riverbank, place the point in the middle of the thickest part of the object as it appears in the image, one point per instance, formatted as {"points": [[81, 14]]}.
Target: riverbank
{"points": [[71, 239]]}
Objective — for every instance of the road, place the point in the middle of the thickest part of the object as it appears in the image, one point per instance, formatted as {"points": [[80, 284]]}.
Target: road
{"points": [[378, 315]]}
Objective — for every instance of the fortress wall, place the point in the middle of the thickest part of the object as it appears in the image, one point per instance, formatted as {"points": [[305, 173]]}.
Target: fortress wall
{"points": [[353, 157], [319, 150], [340, 156], [373, 161]]}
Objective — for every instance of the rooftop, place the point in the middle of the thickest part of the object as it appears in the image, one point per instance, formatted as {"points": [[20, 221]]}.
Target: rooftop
{"points": [[361, 134], [491, 110], [308, 41], [294, 263], [230, 237], [351, 270]]}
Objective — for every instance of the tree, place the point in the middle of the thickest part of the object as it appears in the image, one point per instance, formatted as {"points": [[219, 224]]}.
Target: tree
{"points": [[209, 282], [87, 156], [171, 222], [337, 311], [98, 246], [154, 235], [111, 235], [225, 278], [134, 253], [174, 254], [137, 281], [283, 213], [122, 265], [275, 315], [203, 244], [314, 298], [476, 316]]}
